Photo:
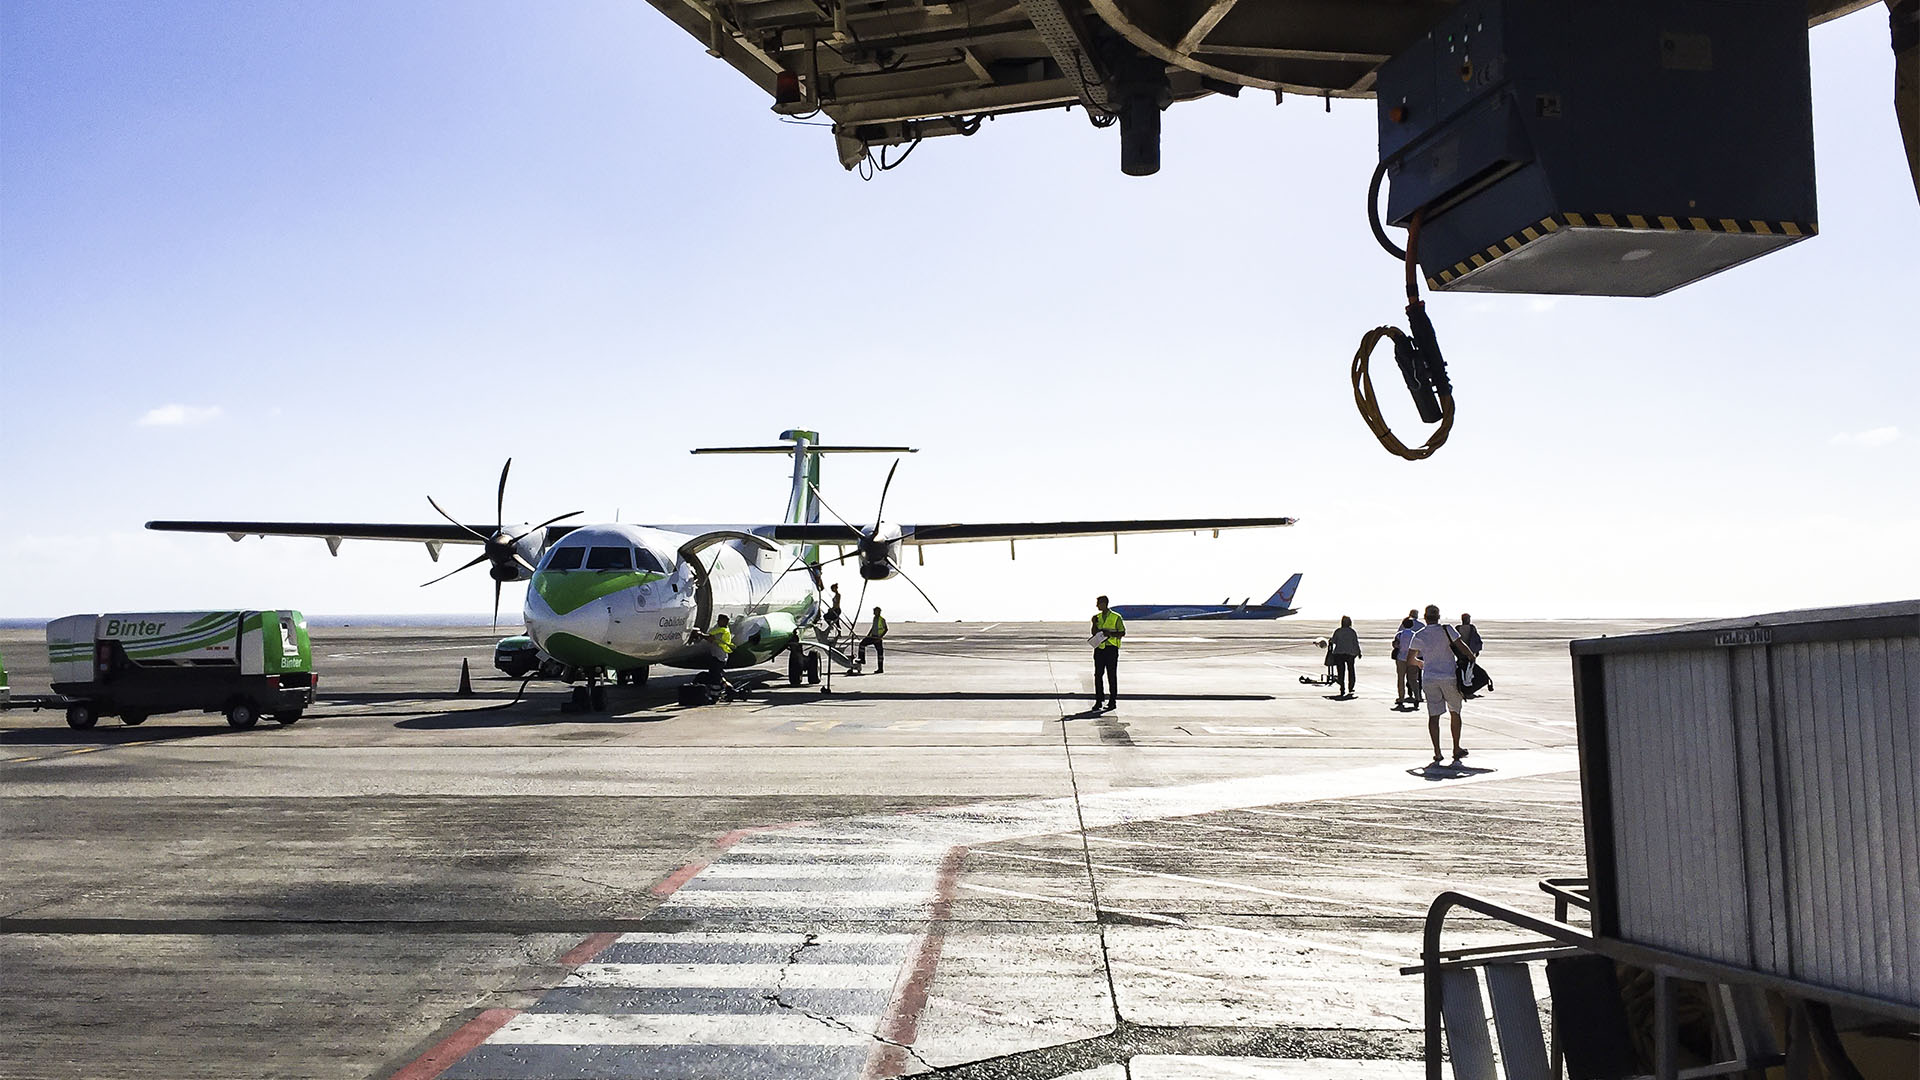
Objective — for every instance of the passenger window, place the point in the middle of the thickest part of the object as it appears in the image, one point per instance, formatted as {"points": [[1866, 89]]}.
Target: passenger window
{"points": [[609, 558], [646, 560], [565, 558]]}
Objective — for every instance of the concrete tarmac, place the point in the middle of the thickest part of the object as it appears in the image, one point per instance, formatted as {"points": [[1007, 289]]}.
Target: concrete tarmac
{"points": [[951, 867]]}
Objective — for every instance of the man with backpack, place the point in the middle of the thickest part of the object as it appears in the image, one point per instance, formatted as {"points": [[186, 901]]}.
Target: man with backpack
{"points": [[1437, 652]]}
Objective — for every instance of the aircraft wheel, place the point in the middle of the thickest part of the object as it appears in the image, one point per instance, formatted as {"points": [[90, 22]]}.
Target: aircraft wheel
{"points": [[81, 716], [796, 666], [813, 668], [241, 715], [597, 698], [133, 719]]}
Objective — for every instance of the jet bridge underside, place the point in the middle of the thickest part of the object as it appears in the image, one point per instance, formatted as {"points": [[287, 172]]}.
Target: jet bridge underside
{"points": [[889, 73]]}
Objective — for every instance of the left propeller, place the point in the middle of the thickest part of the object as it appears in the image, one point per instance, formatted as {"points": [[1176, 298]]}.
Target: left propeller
{"points": [[507, 549]]}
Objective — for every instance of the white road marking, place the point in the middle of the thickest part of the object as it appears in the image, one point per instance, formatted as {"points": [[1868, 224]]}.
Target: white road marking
{"points": [[1250, 729], [1230, 886], [811, 898], [738, 976], [684, 1029], [761, 937]]}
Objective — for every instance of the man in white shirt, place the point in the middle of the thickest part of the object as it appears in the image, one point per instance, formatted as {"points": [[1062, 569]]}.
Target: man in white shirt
{"points": [[1437, 651]]}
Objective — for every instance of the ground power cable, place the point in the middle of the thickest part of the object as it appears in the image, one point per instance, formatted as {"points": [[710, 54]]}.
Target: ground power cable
{"points": [[1417, 353]]}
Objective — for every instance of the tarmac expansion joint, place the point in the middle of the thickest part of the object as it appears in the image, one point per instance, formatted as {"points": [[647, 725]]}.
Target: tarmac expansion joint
{"points": [[777, 998]]}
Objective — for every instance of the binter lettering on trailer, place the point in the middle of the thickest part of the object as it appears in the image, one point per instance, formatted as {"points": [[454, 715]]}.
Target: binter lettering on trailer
{"points": [[142, 628], [1757, 635]]}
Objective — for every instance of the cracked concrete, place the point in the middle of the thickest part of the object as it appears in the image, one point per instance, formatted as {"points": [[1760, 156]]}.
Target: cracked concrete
{"points": [[1221, 870]]}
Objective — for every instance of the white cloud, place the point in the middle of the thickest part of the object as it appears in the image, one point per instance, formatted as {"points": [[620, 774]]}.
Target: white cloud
{"points": [[1879, 436], [179, 415]]}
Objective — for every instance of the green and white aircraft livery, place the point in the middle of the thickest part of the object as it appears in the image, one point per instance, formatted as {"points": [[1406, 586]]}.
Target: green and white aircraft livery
{"points": [[617, 598]]}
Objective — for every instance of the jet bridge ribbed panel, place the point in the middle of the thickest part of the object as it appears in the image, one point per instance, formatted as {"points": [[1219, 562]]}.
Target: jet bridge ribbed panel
{"points": [[1751, 792]]}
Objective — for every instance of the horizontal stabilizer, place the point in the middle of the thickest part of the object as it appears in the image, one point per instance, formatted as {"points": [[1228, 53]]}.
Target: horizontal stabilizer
{"points": [[788, 449]]}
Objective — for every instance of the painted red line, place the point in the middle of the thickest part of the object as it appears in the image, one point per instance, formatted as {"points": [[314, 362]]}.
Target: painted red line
{"points": [[587, 950], [672, 882], [475, 1031], [456, 1046], [901, 1024]]}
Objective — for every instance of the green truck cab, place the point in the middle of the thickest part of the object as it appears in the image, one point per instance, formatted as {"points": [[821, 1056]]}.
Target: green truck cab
{"points": [[246, 664]]}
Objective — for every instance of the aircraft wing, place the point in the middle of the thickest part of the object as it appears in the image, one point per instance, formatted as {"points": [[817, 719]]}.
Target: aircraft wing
{"points": [[334, 531], [1022, 530]]}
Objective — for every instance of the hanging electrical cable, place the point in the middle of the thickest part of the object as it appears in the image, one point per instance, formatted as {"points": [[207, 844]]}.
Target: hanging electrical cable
{"points": [[1417, 353]]}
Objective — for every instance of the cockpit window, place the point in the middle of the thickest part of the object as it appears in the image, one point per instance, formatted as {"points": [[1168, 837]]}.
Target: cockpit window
{"points": [[609, 558], [564, 558], [648, 561]]}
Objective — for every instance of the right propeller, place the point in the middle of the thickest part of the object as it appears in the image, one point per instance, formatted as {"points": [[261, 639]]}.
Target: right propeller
{"points": [[511, 551], [878, 547]]}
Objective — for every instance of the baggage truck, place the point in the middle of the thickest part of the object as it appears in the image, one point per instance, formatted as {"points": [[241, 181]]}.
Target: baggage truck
{"points": [[246, 664]]}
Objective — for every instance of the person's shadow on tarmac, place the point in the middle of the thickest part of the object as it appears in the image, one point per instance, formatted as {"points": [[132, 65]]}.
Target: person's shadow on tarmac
{"points": [[1447, 771]]}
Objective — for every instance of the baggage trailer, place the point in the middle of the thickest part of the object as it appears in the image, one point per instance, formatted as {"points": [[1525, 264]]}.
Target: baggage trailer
{"points": [[245, 664]]}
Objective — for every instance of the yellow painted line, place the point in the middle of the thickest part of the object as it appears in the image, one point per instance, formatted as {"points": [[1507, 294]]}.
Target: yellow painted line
{"points": [[1699, 223], [1605, 220], [1479, 261], [1668, 223], [1575, 220], [1513, 243], [1790, 228], [1636, 221], [1493, 251], [11, 760], [1727, 224], [1761, 228], [1530, 233], [86, 749]]}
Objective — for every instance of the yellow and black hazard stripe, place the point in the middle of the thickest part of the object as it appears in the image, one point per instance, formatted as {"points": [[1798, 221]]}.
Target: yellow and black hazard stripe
{"points": [[1553, 223]]}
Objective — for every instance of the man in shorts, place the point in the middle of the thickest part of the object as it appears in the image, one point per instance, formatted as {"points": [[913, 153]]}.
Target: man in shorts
{"points": [[1436, 651]]}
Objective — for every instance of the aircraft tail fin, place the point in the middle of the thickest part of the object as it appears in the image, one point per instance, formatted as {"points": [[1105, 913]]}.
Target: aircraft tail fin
{"points": [[1284, 596], [803, 498]]}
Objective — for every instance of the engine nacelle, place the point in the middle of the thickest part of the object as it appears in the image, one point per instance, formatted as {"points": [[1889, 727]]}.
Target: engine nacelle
{"points": [[880, 552], [512, 541]]}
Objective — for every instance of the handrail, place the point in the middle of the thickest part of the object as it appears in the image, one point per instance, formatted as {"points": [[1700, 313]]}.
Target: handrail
{"points": [[1430, 954]]}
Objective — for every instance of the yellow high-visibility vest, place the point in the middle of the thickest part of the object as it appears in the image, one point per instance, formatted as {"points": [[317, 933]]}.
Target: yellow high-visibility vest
{"points": [[722, 637], [1110, 621]]}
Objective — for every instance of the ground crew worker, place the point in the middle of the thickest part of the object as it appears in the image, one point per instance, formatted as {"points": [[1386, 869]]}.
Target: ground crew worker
{"points": [[719, 648], [876, 634], [1110, 628]]}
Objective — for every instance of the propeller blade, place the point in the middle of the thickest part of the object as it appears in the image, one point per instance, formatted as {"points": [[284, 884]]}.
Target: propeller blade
{"points": [[496, 605], [916, 587], [860, 605], [500, 503], [544, 524], [881, 509], [482, 557], [456, 521], [831, 510]]}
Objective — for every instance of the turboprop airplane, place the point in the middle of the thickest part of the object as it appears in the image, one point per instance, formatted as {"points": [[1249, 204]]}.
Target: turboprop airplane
{"points": [[1277, 606], [614, 600]]}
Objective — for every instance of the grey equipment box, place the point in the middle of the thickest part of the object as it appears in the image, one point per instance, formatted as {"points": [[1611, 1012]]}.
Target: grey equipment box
{"points": [[1603, 149], [1750, 796]]}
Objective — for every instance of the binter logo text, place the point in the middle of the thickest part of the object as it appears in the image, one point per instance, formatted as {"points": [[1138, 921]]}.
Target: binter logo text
{"points": [[143, 628]]}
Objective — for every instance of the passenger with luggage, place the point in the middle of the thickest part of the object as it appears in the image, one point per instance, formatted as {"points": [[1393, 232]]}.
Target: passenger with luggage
{"points": [[1437, 652], [1479, 679], [1406, 677], [1343, 648]]}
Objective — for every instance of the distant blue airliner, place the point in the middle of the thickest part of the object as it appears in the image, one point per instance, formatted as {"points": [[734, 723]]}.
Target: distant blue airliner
{"points": [[1278, 605]]}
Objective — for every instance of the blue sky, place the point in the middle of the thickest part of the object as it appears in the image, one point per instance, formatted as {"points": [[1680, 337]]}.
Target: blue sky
{"points": [[320, 261]]}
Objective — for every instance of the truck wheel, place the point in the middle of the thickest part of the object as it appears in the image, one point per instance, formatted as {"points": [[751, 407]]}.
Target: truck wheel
{"points": [[242, 715], [133, 719], [285, 718], [81, 716]]}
